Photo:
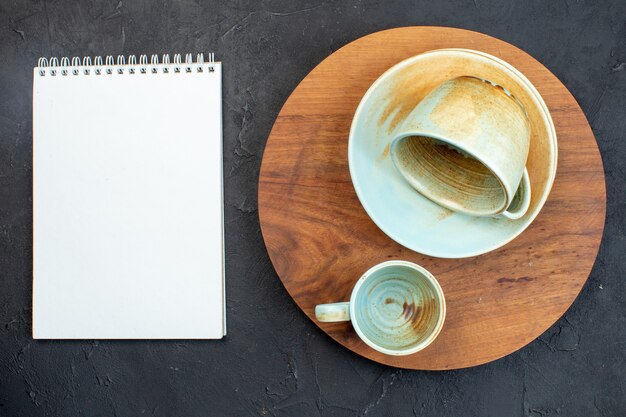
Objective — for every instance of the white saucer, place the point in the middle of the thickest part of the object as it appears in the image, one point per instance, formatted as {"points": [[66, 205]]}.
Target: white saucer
{"points": [[402, 213]]}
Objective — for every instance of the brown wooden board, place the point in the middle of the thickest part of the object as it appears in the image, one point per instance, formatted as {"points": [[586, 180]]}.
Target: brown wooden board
{"points": [[320, 239]]}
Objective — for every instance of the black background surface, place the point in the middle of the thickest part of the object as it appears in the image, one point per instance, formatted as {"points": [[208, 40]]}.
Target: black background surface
{"points": [[274, 361]]}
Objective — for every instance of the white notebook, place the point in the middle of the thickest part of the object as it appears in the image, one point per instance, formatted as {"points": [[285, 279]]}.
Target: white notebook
{"points": [[127, 199]]}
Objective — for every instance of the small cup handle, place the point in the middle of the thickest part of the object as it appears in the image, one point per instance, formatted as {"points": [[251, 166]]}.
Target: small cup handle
{"points": [[521, 200], [334, 312]]}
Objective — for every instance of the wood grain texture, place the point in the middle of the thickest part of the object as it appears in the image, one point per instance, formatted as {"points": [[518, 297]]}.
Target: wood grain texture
{"points": [[320, 239]]}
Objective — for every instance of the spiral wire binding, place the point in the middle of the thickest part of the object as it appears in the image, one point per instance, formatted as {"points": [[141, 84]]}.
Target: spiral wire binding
{"points": [[122, 64]]}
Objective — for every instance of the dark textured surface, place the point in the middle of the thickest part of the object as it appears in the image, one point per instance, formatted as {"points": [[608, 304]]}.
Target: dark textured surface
{"points": [[274, 362]]}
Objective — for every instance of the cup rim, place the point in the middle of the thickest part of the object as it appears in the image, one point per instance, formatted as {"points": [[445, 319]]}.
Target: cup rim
{"points": [[424, 343], [450, 204]]}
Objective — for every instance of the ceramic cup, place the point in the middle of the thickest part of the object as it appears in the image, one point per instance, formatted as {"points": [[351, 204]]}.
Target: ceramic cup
{"points": [[396, 307], [464, 146]]}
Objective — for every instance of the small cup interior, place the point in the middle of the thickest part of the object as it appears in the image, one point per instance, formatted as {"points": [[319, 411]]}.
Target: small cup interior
{"points": [[398, 308], [448, 175]]}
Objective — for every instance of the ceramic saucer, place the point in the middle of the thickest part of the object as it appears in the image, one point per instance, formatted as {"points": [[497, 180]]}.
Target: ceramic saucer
{"points": [[402, 213]]}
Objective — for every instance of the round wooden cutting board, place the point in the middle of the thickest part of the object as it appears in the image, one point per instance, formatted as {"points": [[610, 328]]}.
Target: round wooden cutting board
{"points": [[320, 239]]}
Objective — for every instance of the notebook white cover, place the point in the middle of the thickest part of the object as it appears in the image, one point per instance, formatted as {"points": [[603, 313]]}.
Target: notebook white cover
{"points": [[127, 202]]}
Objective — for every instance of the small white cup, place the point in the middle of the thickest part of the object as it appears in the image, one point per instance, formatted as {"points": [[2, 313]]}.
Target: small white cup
{"points": [[396, 307]]}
